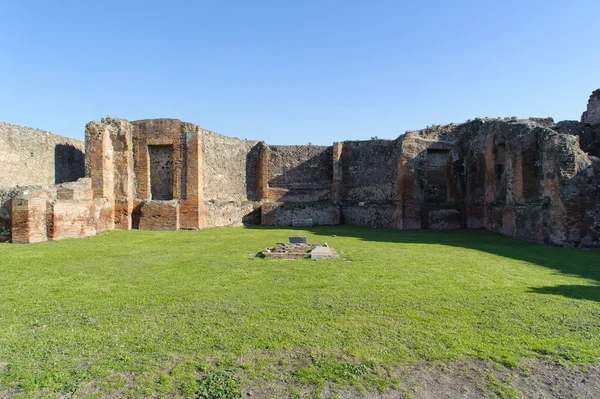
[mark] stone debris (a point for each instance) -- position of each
(300, 251)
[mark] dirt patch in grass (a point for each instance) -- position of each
(465, 379)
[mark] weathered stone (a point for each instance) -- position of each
(307, 222)
(592, 115)
(29, 217)
(289, 251)
(529, 179)
(324, 253)
(297, 214)
(298, 240)
(36, 157)
(160, 215)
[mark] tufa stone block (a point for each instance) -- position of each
(298, 240)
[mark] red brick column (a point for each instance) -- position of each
(99, 154)
(142, 162)
(192, 212)
(263, 172)
(29, 218)
(338, 178)
(121, 136)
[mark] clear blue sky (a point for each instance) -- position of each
(293, 72)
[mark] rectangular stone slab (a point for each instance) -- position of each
(302, 223)
(298, 240)
(324, 253)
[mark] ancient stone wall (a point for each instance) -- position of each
(36, 157)
(529, 179)
(286, 213)
(60, 211)
(300, 173)
(366, 183)
(230, 180)
(589, 135)
(592, 114)
(6, 197)
(524, 179)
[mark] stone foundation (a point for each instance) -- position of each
(284, 214)
(160, 215)
(58, 212)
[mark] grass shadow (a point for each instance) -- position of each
(580, 263)
(587, 292)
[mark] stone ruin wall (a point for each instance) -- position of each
(297, 184)
(367, 187)
(528, 179)
(592, 115)
(34, 158)
(230, 180)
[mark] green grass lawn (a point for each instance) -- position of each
(138, 313)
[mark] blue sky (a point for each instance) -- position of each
(293, 72)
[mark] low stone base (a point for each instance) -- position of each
(300, 251)
(324, 253)
(159, 215)
(444, 219)
(284, 214)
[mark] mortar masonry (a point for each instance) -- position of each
(529, 179)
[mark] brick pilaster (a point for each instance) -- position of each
(338, 178)
(263, 172)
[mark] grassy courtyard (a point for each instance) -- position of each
(195, 313)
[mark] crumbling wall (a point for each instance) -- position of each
(431, 179)
(368, 182)
(529, 179)
(592, 115)
(525, 179)
(6, 197)
(284, 214)
(589, 135)
(299, 173)
(230, 179)
(369, 170)
(57, 212)
(36, 157)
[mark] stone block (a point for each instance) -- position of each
(298, 240)
(80, 190)
(444, 219)
(475, 216)
(308, 222)
(70, 219)
(324, 253)
(284, 214)
(104, 215)
(160, 215)
(378, 215)
(29, 217)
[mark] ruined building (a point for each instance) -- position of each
(530, 179)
